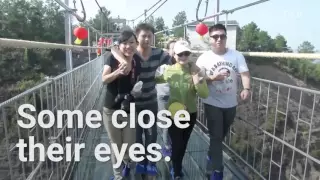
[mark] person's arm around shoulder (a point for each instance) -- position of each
(120, 58)
(118, 55)
(165, 58)
(198, 78)
(161, 74)
(245, 76)
(107, 75)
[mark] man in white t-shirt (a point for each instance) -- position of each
(222, 68)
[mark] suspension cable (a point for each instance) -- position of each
(146, 11)
(155, 10)
(197, 10)
(217, 14)
(66, 7)
(71, 11)
(101, 10)
(207, 3)
(83, 11)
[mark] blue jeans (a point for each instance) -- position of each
(162, 102)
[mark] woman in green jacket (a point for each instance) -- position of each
(186, 82)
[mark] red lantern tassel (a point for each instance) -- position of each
(78, 41)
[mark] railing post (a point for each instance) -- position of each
(67, 28)
(89, 50)
(218, 10)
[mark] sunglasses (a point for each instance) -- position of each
(217, 36)
(186, 53)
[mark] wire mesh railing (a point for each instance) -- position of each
(276, 133)
(71, 91)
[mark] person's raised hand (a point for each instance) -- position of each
(121, 69)
(219, 76)
(127, 67)
(194, 69)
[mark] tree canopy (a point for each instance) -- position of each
(43, 20)
(34, 20)
(252, 38)
(39, 20)
(179, 19)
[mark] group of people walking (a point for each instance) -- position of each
(170, 78)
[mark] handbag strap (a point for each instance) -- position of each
(133, 78)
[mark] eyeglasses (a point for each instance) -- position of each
(217, 36)
(186, 53)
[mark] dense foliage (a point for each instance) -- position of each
(39, 20)
(251, 38)
(34, 20)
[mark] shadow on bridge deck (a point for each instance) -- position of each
(193, 164)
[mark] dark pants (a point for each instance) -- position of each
(162, 102)
(179, 138)
(150, 134)
(219, 121)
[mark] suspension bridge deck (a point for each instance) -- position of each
(193, 164)
(275, 134)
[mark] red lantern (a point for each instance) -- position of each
(201, 29)
(81, 34)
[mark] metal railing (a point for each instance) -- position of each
(276, 133)
(74, 90)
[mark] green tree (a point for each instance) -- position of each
(265, 42)
(159, 24)
(35, 20)
(238, 38)
(249, 40)
(179, 19)
(161, 37)
(151, 20)
(107, 24)
(280, 43)
(306, 47)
